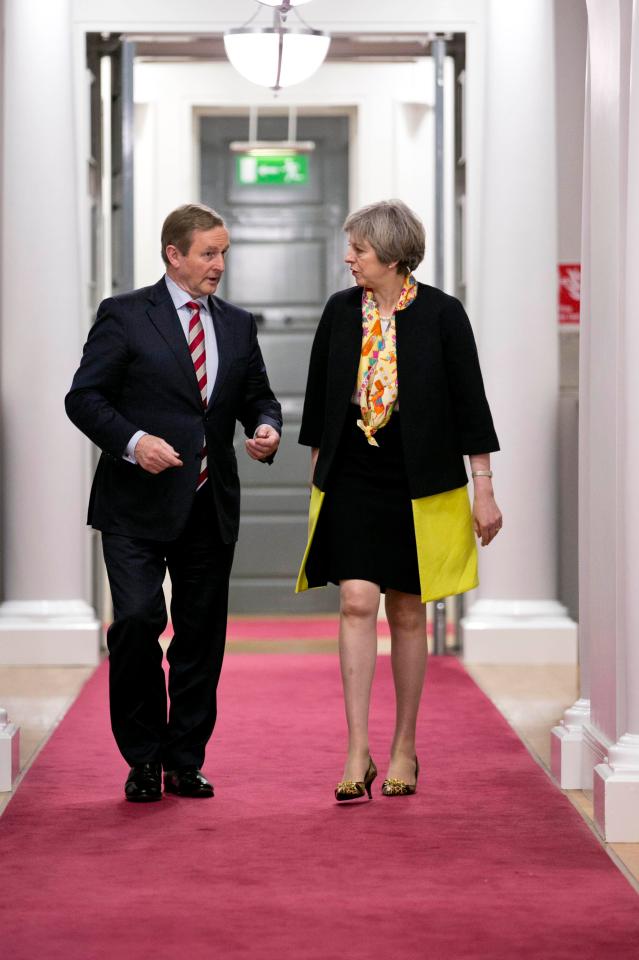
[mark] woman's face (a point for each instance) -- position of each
(364, 263)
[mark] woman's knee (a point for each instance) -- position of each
(359, 599)
(405, 612)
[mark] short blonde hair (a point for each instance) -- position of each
(393, 231)
(177, 229)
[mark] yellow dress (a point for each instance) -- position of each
(446, 546)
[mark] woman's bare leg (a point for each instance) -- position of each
(409, 650)
(359, 603)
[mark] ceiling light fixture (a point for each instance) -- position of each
(283, 3)
(277, 56)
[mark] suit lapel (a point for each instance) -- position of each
(164, 318)
(224, 338)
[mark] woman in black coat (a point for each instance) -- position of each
(394, 400)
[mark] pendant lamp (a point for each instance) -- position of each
(279, 55)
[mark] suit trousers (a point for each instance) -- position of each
(199, 565)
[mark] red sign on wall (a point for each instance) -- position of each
(569, 292)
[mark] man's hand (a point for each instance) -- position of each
(155, 455)
(264, 443)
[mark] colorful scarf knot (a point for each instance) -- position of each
(377, 373)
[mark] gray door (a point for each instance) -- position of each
(286, 259)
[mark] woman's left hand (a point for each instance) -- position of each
(487, 518)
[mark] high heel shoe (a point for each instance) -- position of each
(354, 789)
(392, 787)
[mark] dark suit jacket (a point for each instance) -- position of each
(443, 408)
(136, 373)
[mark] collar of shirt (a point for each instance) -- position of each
(181, 297)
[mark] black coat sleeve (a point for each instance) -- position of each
(314, 413)
(91, 401)
(259, 404)
(470, 407)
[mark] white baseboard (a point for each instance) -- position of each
(48, 633)
(9, 752)
(616, 792)
(513, 631)
(567, 749)
(566, 757)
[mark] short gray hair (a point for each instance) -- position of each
(393, 231)
(179, 226)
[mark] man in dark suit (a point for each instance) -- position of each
(166, 372)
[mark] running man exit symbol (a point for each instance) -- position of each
(252, 171)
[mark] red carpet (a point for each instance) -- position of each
(292, 628)
(488, 860)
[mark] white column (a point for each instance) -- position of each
(45, 616)
(517, 617)
(614, 39)
(570, 747)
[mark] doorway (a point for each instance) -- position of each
(287, 242)
(286, 259)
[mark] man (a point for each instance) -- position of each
(166, 372)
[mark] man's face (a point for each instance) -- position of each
(199, 271)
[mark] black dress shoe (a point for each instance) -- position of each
(187, 782)
(144, 783)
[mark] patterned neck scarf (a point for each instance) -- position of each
(377, 373)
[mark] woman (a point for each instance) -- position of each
(394, 400)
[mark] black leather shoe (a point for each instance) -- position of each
(144, 783)
(187, 782)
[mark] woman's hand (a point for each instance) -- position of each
(314, 456)
(487, 519)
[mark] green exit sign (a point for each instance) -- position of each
(253, 171)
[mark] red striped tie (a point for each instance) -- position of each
(198, 356)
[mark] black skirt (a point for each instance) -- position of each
(365, 529)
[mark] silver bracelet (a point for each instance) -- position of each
(482, 473)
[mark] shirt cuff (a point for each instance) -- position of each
(269, 423)
(129, 453)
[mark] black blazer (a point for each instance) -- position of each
(136, 373)
(443, 408)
